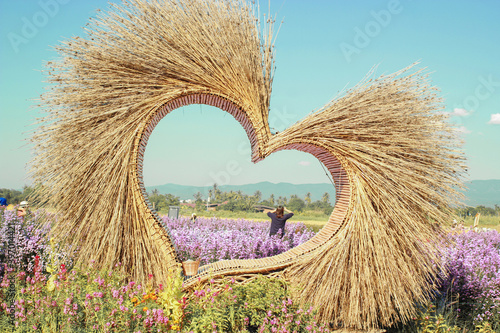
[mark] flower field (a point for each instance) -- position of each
(40, 291)
(474, 275)
(213, 239)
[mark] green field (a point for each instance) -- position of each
(485, 221)
(317, 219)
(314, 219)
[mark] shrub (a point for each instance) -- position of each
(473, 263)
(28, 240)
(262, 305)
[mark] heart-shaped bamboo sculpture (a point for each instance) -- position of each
(395, 161)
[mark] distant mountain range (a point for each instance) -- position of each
(479, 192)
(483, 192)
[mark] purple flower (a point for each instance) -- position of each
(212, 239)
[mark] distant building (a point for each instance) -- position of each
(262, 208)
(210, 206)
(213, 206)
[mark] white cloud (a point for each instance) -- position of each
(463, 130)
(495, 119)
(304, 163)
(460, 112)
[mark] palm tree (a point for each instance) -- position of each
(307, 198)
(326, 198)
(271, 199)
(258, 195)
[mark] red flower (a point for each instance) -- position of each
(37, 263)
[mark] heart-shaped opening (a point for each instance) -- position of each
(261, 146)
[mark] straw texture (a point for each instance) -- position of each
(394, 159)
(104, 89)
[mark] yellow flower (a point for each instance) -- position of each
(144, 309)
(50, 283)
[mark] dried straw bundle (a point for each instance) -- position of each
(106, 86)
(404, 165)
(395, 160)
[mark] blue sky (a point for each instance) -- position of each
(322, 47)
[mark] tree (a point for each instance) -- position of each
(15, 197)
(271, 199)
(296, 204)
(258, 195)
(217, 193)
(307, 198)
(326, 198)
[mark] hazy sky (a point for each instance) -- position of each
(322, 47)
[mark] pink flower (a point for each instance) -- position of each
(99, 281)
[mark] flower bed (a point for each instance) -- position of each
(473, 262)
(52, 297)
(213, 239)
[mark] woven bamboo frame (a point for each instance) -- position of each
(395, 161)
(264, 265)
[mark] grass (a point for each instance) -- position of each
(313, 219)
(317, 219)
(485, 221)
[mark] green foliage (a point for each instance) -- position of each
(432, 322)
(465, 212)
(162, 202)
(484, 327)
(14, 196)
(262, 304)
(296, 204)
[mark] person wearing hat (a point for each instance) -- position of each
(23, 209)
